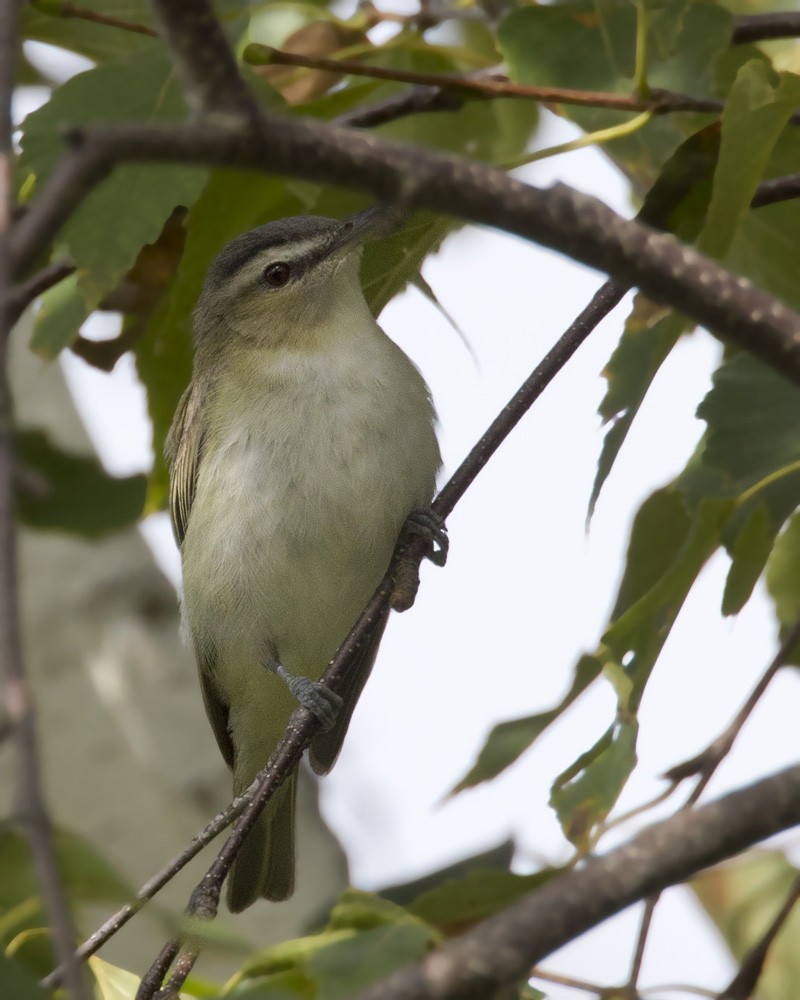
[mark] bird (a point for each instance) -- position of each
(304, 443)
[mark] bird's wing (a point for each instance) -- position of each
(184, 451)
(326, 746)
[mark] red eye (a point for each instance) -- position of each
(277, 274)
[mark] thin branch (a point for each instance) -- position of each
(203, 61)
(414, 101)
(706, 763)
(21, 296)
(17, 694)
(86, 14)
(573, 984)
(502, 949)
(561, 218)
(491, 86)
(775, 190)
(746, 979)
(630, 990)
(762, 27)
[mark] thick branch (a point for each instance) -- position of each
(561, 218)
(203, 60)
(501, 950)
(761, 27)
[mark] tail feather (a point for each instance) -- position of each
(265, 864)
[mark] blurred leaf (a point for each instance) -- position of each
(509, 740)
(127, 210)
(17, 983)
(742, 898)
(87, 877)
(749, 553)
(783, 574)
(101, 43)
(586, 792)
(288, 985)
(114, 983)
(455, 906)
(63, 309)
(70, 492)
(353, 963)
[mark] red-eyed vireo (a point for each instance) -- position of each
(304, 441)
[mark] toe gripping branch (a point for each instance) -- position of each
(429, 526)
(323, 703)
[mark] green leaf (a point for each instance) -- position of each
(63, 309)
(17, 982)
(101, 43)
(756, 111)
(749, 553)
(69, 492)
(783, 574)
(455, 906)
(114, 983)
(353, 963)
(642, 618)
(585, 793)
(753, 418)
(589, 46)
(87, 876)
(677, 201)
(509, 740)
(127, 210)
(742, 898)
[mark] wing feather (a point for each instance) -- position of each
(184, 451)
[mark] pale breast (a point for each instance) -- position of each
(300, 500)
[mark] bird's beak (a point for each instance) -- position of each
(372, 223)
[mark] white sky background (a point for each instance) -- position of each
(496, 633)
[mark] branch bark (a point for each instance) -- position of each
(500, 951)
(203, 60)
(560, 217)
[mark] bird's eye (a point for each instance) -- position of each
(277, 275)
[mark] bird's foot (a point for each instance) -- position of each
(323, 703)
(431, 527)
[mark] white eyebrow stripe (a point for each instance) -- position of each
(289, 254)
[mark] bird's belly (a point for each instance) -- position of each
(280, 558)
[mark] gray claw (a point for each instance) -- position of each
(430, 526)
(323, 703)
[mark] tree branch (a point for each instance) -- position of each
(490, 86)
(501, 950)
(71, 10)
(203, 60)
(762, 27)
(561, 218)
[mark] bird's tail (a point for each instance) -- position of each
(265, 863)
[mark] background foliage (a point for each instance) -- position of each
(141, 244)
